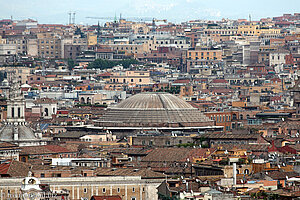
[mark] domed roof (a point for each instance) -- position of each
(154, 101)
(24, 133)
(19, 133)
(154, 110)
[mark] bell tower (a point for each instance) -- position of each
(16, 103)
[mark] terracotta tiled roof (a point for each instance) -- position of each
(4, 168)
(219, 81)
(176, 154)
(182, 81)
(144, 173)
(278, 175)
(47, 149)
(6, 145)
(113, 197)
(14, 169)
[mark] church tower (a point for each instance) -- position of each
(15, 103)
(15, 128)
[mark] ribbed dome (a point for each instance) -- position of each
(154, 110)
(154, 101)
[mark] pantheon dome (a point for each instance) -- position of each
(153, 110)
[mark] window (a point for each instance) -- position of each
(118, 190)
(42, 175)
(19, 112)
(84, 190)
(46, 112)
(12, 112)
(103, 190)
(133, 189)
(234, 116)
(133, 198)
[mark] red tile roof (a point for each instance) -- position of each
(112, 197)
(182, 81)
(219, 81)
(4, 168)
(47, 149)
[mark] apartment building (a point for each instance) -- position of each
(49, 45)
(201, 53)
(131, 77)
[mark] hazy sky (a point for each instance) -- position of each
(56, 11)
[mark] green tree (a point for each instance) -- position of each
(105, 64)
(71, 64)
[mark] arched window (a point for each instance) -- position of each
(237, 171)
(46, 112)
(241, 117)
(88, 100)
(234, 117)
(246, 171)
